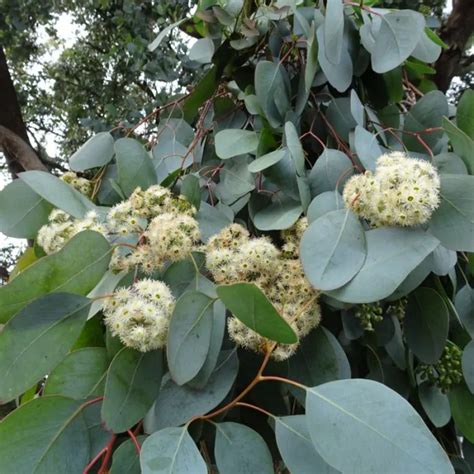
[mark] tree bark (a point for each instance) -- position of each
(455, 33)
(18, 152)
(14, 141)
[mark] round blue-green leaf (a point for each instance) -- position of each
(272, 87)
(363, 426)
(428, 112)
(449, 163)
(392, 254)
(333, 249)
(211, 220)
(396, 39)
(177, 404)
(235, 180)
(133, 383)
(339, 115)
(324, 203)
(35, 340)
(97, 151)
(217, 336)
(45, 436)
(426, 50)
(98, 435)
(77, 268)
(334, 30)
(413, 280)
(395, 347)
(464, 302)
(461, 142)
(182, 274)
(367, 148)
(338, 75)
(468, 365)
(295, 148)
(357, 108)
(171, 451)
(202, 51)
(57, 192)
(22, 211)
(296, 448)
(319, 359)
(426, 324)
(281, 214)
(331, 171)
(461, 401)
(241, 450)
(464, 116)
(435, 403)
(189, 336)
(126, 459)
(265, 161)
(134, 165)
(234, 142)
(80, 374)
(453, 222)
(442, 260)
(248, 304)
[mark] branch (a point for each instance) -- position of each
(145, 88)
(455, 33)
(14, 139)
(19, 151)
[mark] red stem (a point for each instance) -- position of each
(135, 441)
(108, 455)
(91, 464)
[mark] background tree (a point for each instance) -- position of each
(61, 93)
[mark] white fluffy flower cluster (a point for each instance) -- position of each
(61, 227)
(139, 315)
(232, 256)
(164, 223)
(402, 192)
(160, 222)
(83, 185)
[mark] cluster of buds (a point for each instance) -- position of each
(402, 192)
(369, 314)
(83, 185)
(446, 372)
(139, 315)
(398, 308)
(232, 256)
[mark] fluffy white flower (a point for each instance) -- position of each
(140, 315)
(278, 276)
(172, 237)
(83, 185)
(292, 238)
(402, 192)
(62, 227)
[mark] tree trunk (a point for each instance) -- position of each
(14, 141)
(455, 33)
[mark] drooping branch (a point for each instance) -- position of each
(14, 141)
(455, 33)
(18, 152)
